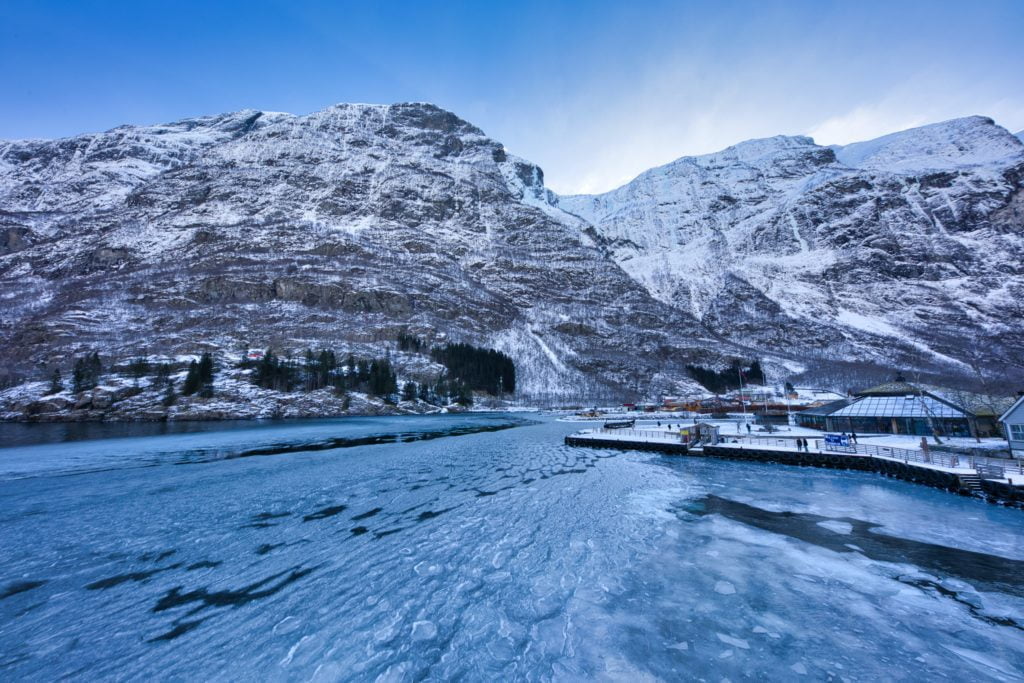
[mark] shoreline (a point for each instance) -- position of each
(234, 399)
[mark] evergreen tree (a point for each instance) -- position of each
(319, 369)
(138, 368)
(441, 393)
(86, 373)
(205, 372)
(56, 384)
(170, 397)
(95, 368)
(409, 342)
(162, 376)
(78, 376)
(309, 371)
(754, 374)
(479, 369)
(409, 391)
(728, 379)
(328, 363)
(206, 369)
(340, 382)
(192, 380)
(276, 373)
(381, 378)
(263, 377)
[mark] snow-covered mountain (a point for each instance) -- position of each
(347, 226)
(968, 142)
(903, 250)
(340, 228)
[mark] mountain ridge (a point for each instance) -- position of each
(344, 227)
(349, 225)
(785, 237)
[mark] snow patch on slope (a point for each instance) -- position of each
(970, 141)
(869, 324)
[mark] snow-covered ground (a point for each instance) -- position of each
(914, 442)
(497, 555)
(737, 427)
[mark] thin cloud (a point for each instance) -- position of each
(863, 123)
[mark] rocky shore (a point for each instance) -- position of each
(122, 400)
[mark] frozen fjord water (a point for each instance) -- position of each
(499, 554)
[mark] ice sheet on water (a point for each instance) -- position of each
(837, 526)
(497, 555)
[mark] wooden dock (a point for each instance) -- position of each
(957, 482)
(666, 447)
(942, 472)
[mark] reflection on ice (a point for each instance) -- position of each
(983, 570)
(493, 555)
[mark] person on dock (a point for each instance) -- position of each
(748, 428)
(853, 438)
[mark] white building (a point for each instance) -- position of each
(1013, 427)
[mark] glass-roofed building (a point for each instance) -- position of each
(891, 408)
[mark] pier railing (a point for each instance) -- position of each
(950, 460)
(648, 434)
(993, 468)
(987, 468)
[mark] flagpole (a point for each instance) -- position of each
(743, 406)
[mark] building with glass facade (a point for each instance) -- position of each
(891, 408)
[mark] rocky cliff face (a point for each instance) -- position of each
(906, 250)
(340, 228)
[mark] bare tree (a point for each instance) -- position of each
(917, 360)
(966, 400)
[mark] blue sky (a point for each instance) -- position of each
(595, 92)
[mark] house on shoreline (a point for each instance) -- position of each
(1013, 427)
